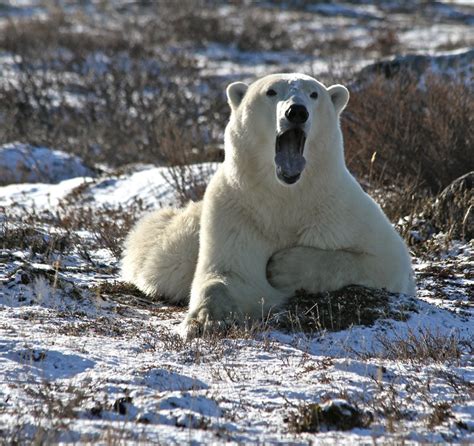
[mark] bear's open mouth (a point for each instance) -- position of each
(289, 159)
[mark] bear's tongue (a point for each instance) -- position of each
(289, 157)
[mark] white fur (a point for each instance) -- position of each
(161, 253)
(321, 233)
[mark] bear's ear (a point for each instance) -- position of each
(339, 97)
(235, 93)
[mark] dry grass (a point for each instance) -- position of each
(119, 122)
(425, 346)
(29, 233)
(420, 346)
(250, 28)
(54, 407)
(51, 235)
(189, 182)
(441, 413)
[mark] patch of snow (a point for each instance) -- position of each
(166, 380)
(447, 11)
(429, 39)
(22, 163)
(38, 196)
(345, 10)
(20, 8)
(149, 185)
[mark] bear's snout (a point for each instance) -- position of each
(297, 114)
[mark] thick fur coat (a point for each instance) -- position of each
(273, 219)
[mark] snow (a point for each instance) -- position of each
(149, 185)
(21, 163)
(330, 9)
(240, 392)
(40, 195)
(430, 38)
(123, 370)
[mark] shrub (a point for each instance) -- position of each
(397, 130)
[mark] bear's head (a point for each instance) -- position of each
(286, 122)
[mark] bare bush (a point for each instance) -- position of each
(187, 24)
(29, 232)
(123, 117)
(35, 37)
(384, 41)
(251, 29)
(263, 33)
(103, 97)
(422, 134)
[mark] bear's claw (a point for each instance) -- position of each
(201, 323)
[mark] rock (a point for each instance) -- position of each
(122, 405)
(453, 210)
(333, 415)
(459, 66)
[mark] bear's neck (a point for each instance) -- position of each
(248, 171)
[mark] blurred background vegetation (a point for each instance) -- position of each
(119, 83)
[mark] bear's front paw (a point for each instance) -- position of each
(287, 270)
(212, 310)
(204, 322)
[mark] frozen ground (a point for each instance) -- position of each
(84, 358)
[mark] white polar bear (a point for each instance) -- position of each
(281, 213)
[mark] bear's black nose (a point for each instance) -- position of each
(297, 114)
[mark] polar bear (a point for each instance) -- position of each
(281, 213)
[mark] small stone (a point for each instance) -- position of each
(121, 405)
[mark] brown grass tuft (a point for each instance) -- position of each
(424, 346)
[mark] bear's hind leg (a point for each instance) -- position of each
(160, 253)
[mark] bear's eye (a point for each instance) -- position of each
(314, 95)
(271, 92)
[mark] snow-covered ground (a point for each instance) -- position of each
(85, 358)
(20, 163)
